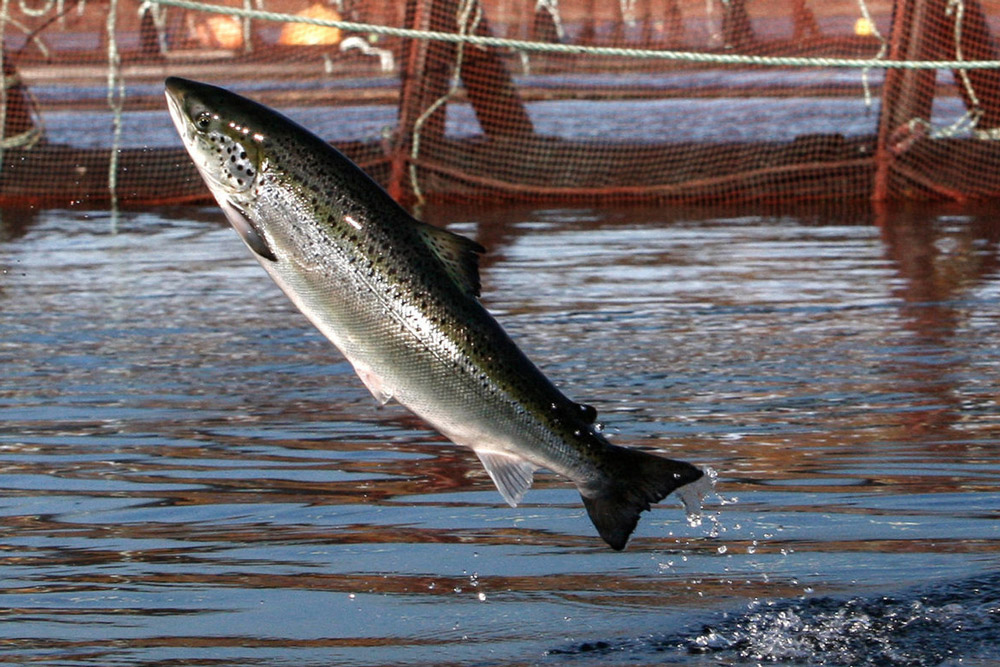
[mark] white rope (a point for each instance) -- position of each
(467, 22)
(550, 47)
(31, 11)
(24, 140)
(957, 7)
(552, 7)
(159, 15)
(883, 48)
(116, 102)
(34, 134)
(4, 17)
(626, 9)
(246, 28)
(970, 119)
(35, 38)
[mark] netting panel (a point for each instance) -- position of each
(434, 119)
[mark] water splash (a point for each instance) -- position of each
(693, 497)
(949, 623)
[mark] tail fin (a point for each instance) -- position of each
(634, 480)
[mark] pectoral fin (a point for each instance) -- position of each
(246, 229)
(511, 474)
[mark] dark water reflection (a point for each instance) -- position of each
(192, 475)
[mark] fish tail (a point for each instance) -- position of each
(633, 481)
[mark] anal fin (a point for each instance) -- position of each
(512, 475)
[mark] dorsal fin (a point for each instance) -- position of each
(511, 474)
(458, 254)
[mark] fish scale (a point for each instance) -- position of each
(399, 298)
(416, 296)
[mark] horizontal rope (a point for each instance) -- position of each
(578, 49)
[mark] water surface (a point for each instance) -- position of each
(191, 474)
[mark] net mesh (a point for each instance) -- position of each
(711, 101)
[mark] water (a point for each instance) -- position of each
(191, 475)
(654, 120)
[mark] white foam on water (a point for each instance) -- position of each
(954, 623)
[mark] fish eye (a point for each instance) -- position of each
(204, 120)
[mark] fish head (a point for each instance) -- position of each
(223, 142)
(227, 138)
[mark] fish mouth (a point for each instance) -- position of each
(175, 93)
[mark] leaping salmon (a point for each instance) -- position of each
(400, 299)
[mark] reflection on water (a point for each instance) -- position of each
(190, 473)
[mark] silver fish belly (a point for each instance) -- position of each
(399, 298)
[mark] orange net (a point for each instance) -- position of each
(84, 119)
